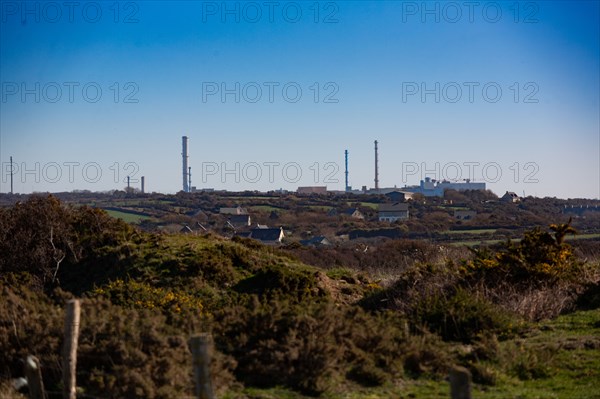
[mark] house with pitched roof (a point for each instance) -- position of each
(233, 211)
(510, 197)
(392, 212)
(272, 236)
(240, 220)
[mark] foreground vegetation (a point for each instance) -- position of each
(522, 316)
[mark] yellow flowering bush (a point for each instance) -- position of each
(144, 296)
(540, 256)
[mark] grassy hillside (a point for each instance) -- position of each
(523, 317)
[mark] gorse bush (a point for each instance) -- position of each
(283, 281)
(437, 298)
(462, 316)
(308, 345)
(537, 277)
(145, 296)
(122, 353)
(540, 257)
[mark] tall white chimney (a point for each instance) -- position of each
(184, 155)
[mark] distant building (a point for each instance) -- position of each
(233, 211)
(510, 197)
(271, 236)
(581, 209)
(392, 212)
(399, 196)
(240, 220)
(372, 191)
(433, 188)
(464, 214)
(312, 190)
(354, 213)
(186, 230)
(198, 214)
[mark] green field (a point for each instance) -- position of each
(471, 243)
(266, 208)
(320, 207)
(365, 204)
(128, 217)
(254, 197)
(473, 231)
(582, 237)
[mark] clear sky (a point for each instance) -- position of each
(272, 93)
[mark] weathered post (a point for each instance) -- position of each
(460, 383)
(201, 347)
(70, 349)
(33, 374)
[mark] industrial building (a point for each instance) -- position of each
(427, 187)
(433, 188)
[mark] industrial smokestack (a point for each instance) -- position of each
(143, 184)
(376, 168)
(190, 179)
(184, 156)
(347, 186)
(11, 175)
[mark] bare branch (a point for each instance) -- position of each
(56, 251)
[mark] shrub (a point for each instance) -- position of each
(367, 374)
(527, 363)
(306, 346)
(144, 296)
(51, 242)
(412, 286)
(291, 282)
(425, 354)
(483, 373)
(277, 343)
(462, 316)
(540, 257)
(121, 352)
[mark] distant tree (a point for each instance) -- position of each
(456, 197)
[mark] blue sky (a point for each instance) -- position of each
(504, 92)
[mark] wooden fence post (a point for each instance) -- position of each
(460, 383)
(201, 347)
(70, 349)
(33, 374)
